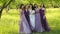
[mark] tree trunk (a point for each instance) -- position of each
(4, 6)
(2, 9)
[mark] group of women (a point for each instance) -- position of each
(33, 19)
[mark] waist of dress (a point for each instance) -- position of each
(37, 12)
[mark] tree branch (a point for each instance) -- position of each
(4, 6)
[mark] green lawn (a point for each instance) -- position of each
(9, 23)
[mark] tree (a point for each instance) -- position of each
(4, 6)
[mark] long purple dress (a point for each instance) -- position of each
(26, 12)
(24, 25)
(38, 25)
(43, 20)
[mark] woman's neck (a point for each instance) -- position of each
(26, 10)
(36, 8)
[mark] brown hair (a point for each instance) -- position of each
(35, 5)
(32, 6)
(43, 5)
(21, 6)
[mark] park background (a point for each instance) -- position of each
(10, 15)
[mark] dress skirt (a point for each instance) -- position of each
(24, 26)
(38, 24)
(43, 20)
(32, 19)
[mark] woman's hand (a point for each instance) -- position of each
(33, 12)
(44, 17)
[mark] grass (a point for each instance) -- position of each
(9, 23)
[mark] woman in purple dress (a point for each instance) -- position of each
(43, 18)
(27, 15)
(24, 24)
(38, 25)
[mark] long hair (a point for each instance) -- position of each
(21, 6)
(32, 6)
(26, 7)
(35, 6)
(42, 5)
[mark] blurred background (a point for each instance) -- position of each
(10, 15)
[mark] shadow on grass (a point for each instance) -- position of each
(55, 31)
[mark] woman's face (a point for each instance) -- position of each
(30, 6)
(22, 6)
(42, 5)
(27, 6)
(36, 6)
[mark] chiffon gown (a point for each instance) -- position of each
(32, 18)
(24, 25)
(26, 12)
(38, 24)
(43, 20)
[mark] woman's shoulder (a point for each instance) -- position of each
(33, 10)
(20, 9)
(43, 8)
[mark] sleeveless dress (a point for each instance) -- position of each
(43, 20)
(26, 12)
(24, 26)
(32, 18)
(38, 25)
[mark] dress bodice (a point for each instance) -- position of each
(31, 12)
(37, 11)
(22, 12)
(42, 11)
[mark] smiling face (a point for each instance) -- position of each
(42, 6)
(26, 7)
(22, 6)
(30, 7)
(35, 6)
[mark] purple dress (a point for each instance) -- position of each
(24, 25)
(28, 18)
(38, 25)
(43, 20)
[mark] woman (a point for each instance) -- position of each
(24, 25)
(43, 18)
(27, 15)
(32, 16)
(38, 25)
